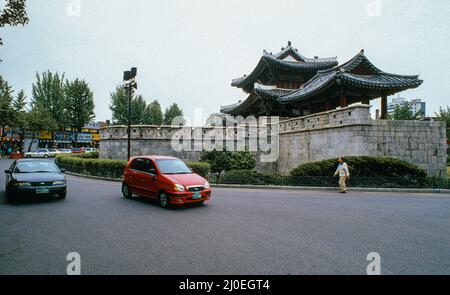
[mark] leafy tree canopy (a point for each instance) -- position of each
(49, 94)
(444, 115)
(153, 114)
(80, 104)
(6, 101)
(138, 106)
(226, 160)
(14, 13)
(404, 112)
(119, 107)
(171, 113)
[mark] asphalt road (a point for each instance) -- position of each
(238, 232)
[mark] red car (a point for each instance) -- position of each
(78, 150)
(165, 179)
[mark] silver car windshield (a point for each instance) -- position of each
(35, 167)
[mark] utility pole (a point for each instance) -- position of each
(129, 78)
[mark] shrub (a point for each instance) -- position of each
(93, 155)
(104, 167)
(70, 161)
(226, 161)
(96, 167)
(242, 160)
(218, 160)
(363, 167)
(250, 177)
(201, 168)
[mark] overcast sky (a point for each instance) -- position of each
(188, 51)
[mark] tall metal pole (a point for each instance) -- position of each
(129, 121)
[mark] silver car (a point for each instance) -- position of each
(41, 153)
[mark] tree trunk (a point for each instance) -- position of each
(76, 137)
(31, 142)
(21, 138)
(13, 141)
(1, 136)
(52, 142)
(21, 145)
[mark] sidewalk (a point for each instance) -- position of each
(294, 188)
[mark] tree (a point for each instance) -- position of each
(49, 94)
(6, 106)
(80, 105)
(138, 106)
(153, 114)
(219, 160)
(13, 14)
(171, 113)
(444, 115)
(39, 119)
(119, 106)
(404, 112)
(20, 102)
(242, 160)
(225, 160)
(20, 120)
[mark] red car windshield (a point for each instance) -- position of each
(173, 166)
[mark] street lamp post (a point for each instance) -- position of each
(129, 78)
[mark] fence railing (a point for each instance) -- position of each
(329, 181)
(279, 180)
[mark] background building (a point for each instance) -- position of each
(417, 105)
(287, 84)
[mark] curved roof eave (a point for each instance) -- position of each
(268, 60)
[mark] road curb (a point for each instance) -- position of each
(295, 188)
(94, 177)
(333, 189)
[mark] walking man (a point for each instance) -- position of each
(344, 174)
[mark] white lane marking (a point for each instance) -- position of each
(305, 193)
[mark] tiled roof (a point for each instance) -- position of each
(290, 50)
(253, 98)
(275, 61)
(376, 80)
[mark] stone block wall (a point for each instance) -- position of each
(421, 143)
(348, 131)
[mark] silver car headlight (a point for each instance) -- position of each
(61, 182)
(21, 183)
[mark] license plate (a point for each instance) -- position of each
(197, 196)
(42, 191)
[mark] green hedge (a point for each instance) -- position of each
(93, 155)
(200, 168)
(363, 167)
(249, 177)
(95, 167)
(110, 168)
(225, 160)
(254, 178)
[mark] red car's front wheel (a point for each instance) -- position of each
(126, 191)
(164, 200)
